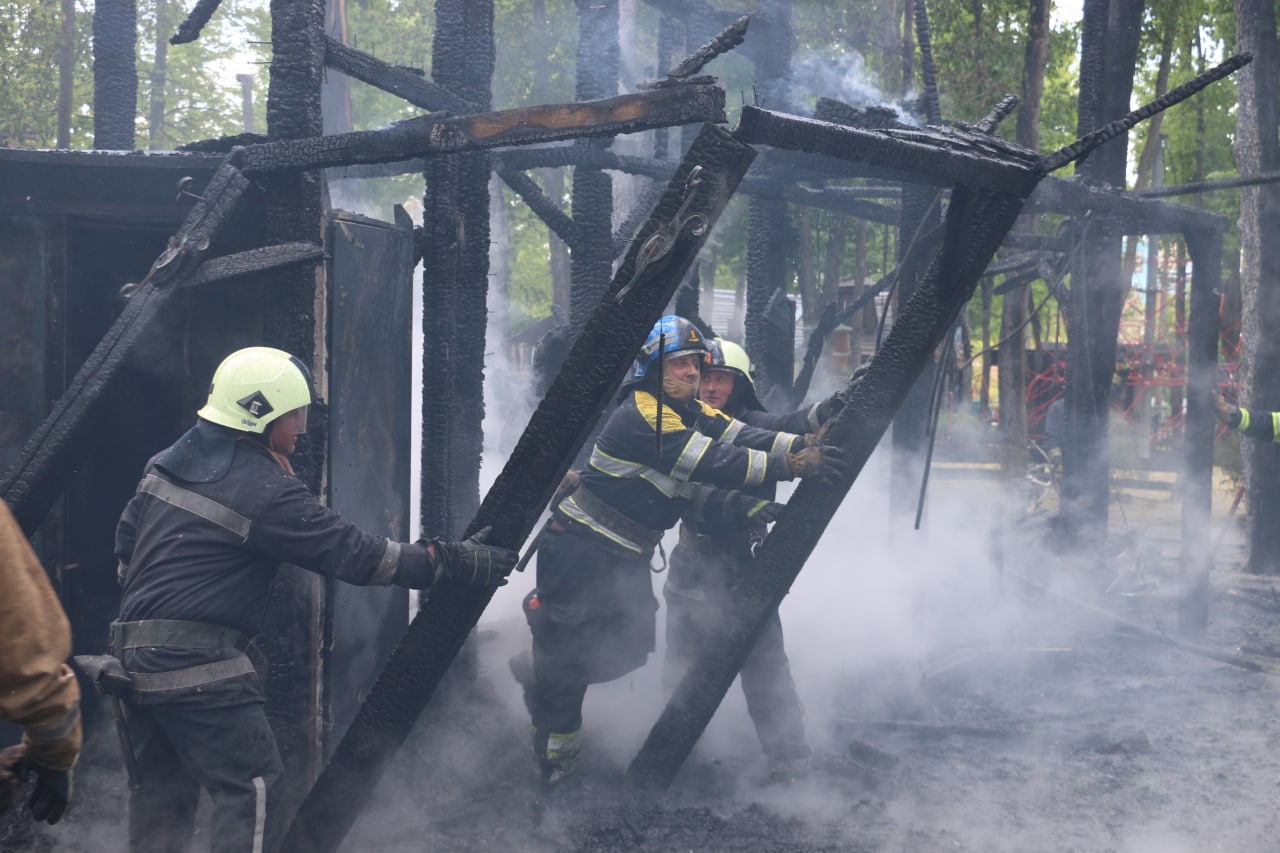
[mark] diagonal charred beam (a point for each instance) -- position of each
(396, 79)
(1210, 186)
(998, 113)
(933, 157)
(724, 41)
(38, 475)
(932, 111)
(429, 136)
(545, 208)
(189, 29)
(1121, 212)
(1082, 146)
(556, 432)
(254, 261)
(977, 221)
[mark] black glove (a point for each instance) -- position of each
(822, 462)
(51, 793)
(827, 409)
(471, 561)
(727, 508)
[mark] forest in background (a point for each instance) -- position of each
(860, 53)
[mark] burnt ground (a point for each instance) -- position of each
(949, 707)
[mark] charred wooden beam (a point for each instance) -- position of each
(838, 112)
(403, 82)
(115, 73)
(931, 156)
(977, 221)
(1082, 146)
(928, 70)
(189, 29)
(545, 208)
(1210, 186)
(38, 475)
(1120, 212)
(254, 261)
(723, 42)
(595, 367)
(429, 136)
(998, 113)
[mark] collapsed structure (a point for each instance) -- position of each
(338, 303)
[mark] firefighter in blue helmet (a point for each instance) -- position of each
(709, 559)
(199, 544)
(661, 453)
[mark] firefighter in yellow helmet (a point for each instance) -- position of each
(199, 544)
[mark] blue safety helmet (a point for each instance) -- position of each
(678, 337)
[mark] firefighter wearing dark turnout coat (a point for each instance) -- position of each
(660, 454)
(199, 544)
(708, 560)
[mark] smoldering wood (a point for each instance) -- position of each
(253, 261)
(189, 30)
(976, 222)
(595, 367)
(38, 475)
(838, 112)
(933, 156)
(430, 136)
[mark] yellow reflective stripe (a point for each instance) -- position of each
(731, 431)
(694, 449)
(647, 405)
(784, 441)
(578, 514)
(1275, 426)
(1244, 420)
(757, 467)
(613, 466)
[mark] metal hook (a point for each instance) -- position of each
(184, 184)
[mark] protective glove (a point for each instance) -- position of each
(827, 409)
(51, 794)
(1227, 413)
(822, 462)
(720, 508)
(567, 487)
(472, 561)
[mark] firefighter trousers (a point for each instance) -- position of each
(229, 751)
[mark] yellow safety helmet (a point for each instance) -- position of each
(255, 386)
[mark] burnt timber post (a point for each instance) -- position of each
(115, 74)
(291, 636)
(1205, 246)
(1108, 51)
(770, 345)
(591, 260)
(455, 280)
(595, 367)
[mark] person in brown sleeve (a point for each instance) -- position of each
(37, 689)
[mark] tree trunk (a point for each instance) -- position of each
(984, 389)
(1257, 150)
(552, 179)
(833, 260)
(66, 72)
(806, 267)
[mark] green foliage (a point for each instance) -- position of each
(29, 51)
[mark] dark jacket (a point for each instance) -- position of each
(178, 564)
(699, 445)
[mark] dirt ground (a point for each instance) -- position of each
(950, 706)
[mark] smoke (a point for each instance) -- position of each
(844, 77)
